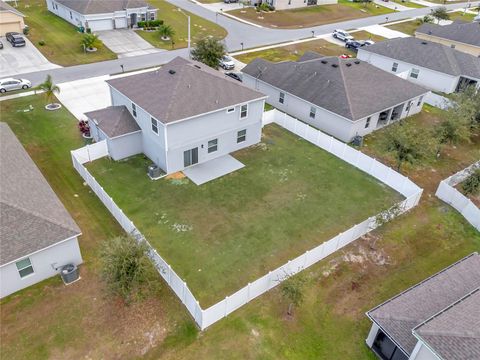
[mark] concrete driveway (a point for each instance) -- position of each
(18, 60)
(125, 43)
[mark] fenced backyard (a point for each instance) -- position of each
(446, 191)
(212, 314)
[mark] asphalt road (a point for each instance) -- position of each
(238, 32)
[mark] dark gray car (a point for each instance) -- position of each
(15, 39)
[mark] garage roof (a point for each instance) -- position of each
(114, 121)
(31, 216)
(86, 7)
(7, 8)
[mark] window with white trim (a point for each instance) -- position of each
(394, 67)
(414, 73)
(152, 16)
(212, 146)
(24, 267)
(313, 112)
(134, 110)
(281, 98)
(243, 111)
(420, 100)
(409, 104)
(241, 136)
(367, 123)
(154, 125)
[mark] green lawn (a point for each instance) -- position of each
(62, 41)
(38, 323)
(311, 15)
(200, 28)
(228, 232)
(408, 4)
(406, 27)
(460, 15)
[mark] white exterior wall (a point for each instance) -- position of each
(430, 79)
(196, 132)
(372, 335)
(125, 146)
(331, 123)
(421, 352)
(76, 19)
(67, 252)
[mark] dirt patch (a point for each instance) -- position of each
(177, 176)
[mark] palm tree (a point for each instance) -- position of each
(166, 32)
(49, 89)
(90, 41)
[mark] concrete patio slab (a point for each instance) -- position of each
(213, 169)
(126, 43)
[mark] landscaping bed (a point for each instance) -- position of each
(290, 197)
(311, 15)
(62, 41)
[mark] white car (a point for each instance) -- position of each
(342, 35)
(227, 63)
(10, 84)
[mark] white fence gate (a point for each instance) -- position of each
(447, 192)
(214, 313)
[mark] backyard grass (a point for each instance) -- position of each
(51, 321)
(62, 40)
(200, 28)
(230, 231)
(311, 15)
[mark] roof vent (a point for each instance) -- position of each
(197, 66)
(424, 43)
(348, 64)
(171, 72)
(334, 65)
(357, 62)
(324, 61)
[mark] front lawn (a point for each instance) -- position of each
(200, 28)
(311, 15)
(290, 197)
(406, 27)
(62, 40)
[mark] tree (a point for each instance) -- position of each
(427, 19)
(407, 142)
(440, 13)
(453, 130)
(209, 51)
(293, 291)
(49, 89)
(90, 41)
(466, 106)
(124, 265)
(166, 32)
(472, 184)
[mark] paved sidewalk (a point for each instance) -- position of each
(392, 5)
(19, 95)
(384, 31)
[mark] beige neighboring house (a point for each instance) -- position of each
(11, 20)
(460, 35)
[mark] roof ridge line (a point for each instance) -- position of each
(347, 95)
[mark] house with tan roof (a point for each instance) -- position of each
(181, 115)
(37, 234)
(98, 15)
(436, 319)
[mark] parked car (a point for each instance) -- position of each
(342, 35)
(369, 42)
(234, 76)
(15, 39)
(10, 84)
(356, 44)
(1, 45)
(230, 1)
(227, 62)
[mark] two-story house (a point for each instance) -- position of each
(181, 115)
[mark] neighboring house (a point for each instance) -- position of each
(437, 319)
(435, 66)
(37, 235)
(460, 35)
(180, 115)
(293, 4)
(98, 15)
(342, 97)
(11, 20)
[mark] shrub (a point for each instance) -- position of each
(472, 184)
(26, 30)
(91, 41)
(149, 24)
(264, 7)
(41, 43)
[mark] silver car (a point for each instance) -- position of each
(11, 84)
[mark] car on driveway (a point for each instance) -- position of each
(356, 44)
(234, 76)
(10, 84)
(227, 62)
(342, 35)
(1, 45)
(15, 39)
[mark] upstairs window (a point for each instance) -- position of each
(134, 110)
(244, 111)
(367, 123)
(395, 67)
(281, 98)
(420, 100)
(313, 112)
(154, 125)
(414, 73)
(24, 267)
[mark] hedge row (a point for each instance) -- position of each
(149, 23)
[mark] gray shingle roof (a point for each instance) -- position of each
(6, 7)
(31, 216)
(464, 32)
(114, 120)
(429, 55)
(86, 7)
(182, 89)
(454, 334)
(402, 313)
(342, 86)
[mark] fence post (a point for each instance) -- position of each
(248, 292)
(226, 305)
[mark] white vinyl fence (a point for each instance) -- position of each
(214, 313)
(447, 192)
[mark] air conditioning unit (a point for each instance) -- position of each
(154, 172)
(69, 273)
